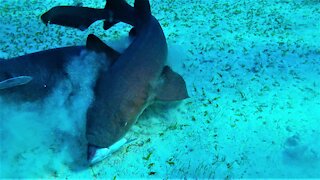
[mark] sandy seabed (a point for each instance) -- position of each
(252, 70)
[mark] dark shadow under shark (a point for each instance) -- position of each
(134, 80)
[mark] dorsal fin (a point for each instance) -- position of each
(142, 8)
(97, 45)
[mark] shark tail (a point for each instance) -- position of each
(74, 16)
(82, 17)
(142, 8)
(120, 11)
(123, 12)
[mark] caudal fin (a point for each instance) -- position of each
(120, 11)
(82, 17)
(74, 16)
(142, 8)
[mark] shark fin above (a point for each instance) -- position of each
(97, 45)
(15, 81)
(142, 8)
(74, 16)
(118, 11)
(173, 87)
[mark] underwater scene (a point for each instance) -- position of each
(161, 89)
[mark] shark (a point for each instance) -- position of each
(135, 78)
(138, 78)
(34, 76)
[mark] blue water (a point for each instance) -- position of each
(252, 70)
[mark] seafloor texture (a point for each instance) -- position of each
(253, 73)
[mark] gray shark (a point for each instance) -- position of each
(137, 78)
(41, 71)
(33, 76)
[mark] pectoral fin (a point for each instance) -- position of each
(173, 87)
(15, 81)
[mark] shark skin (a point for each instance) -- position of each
(82, 17)
(74, 16)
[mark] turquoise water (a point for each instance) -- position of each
(252, 70)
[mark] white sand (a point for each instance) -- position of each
(253, 74)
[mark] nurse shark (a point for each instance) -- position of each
(135, 78)
(33, 77)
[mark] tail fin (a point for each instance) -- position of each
(119, 10)
(142, 8)
(82, 17)
(74, 16)
(122, 11)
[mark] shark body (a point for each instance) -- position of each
(128, 86)
(135, 79)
